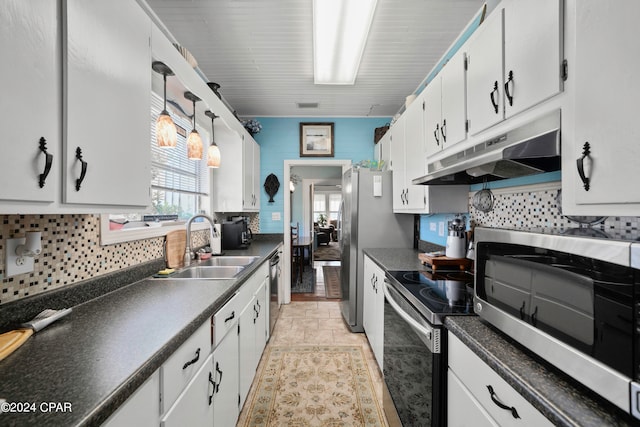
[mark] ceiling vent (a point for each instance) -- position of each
(307, 104)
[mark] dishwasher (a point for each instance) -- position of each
(275, 284)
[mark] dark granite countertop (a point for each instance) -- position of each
(561, 399)
(98, 355)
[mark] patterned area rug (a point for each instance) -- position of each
(331, 274)
(308, 283)
(330, 252)
(314, 386)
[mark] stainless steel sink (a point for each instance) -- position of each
(229, 261)
(209, 272)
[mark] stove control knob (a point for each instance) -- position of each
(478, 307)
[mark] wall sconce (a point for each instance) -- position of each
(213, 153)
(194, 142)
(20, 253)
(166, 133)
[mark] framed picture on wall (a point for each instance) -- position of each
(316, 139)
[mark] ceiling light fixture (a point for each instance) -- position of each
(340, 31)
(213, 153)
(194, 142)
(166, 132)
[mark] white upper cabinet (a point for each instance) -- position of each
(605, 104)
(484, 74)
(445, 112)
(408, 163)
(236, 183)
(31, 100)
(251, 175)
(533, 53)
(454, 105)
(107, 87)
(514, 61)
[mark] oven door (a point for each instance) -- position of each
(414, 368)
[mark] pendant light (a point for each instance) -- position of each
(166, 133)
(213, 153)
(194, 142)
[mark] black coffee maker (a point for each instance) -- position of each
(236, 233)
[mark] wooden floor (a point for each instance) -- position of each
(319, 291)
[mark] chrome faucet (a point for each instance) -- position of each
(188, 254)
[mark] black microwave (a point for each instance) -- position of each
(572, 299)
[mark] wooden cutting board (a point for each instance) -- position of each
(442, 261)
(175, 246)
(10, 341)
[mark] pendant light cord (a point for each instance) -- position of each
(165, 91)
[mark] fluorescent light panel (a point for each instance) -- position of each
(340, 31)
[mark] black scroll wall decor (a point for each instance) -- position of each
(271, 186)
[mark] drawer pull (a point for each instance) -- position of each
(233, 315)
(192, 361)
(502, 405)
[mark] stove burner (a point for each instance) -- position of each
(443, 292)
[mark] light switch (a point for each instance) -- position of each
(275, 216)
(377, 186)
(441, 228)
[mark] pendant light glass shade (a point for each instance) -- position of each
(213, 156)
(194, 142)
(166, 132)
(213, 153)
(194, 146)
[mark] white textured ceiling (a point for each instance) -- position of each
(260, 52)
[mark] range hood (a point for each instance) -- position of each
(529, 149)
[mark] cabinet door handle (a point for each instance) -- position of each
(231, 317)
(584, 169)
(436, 134)
(217, 386)
(494, 100)
(83, 171)
(502, 405)
(509, 83)
(534, 317)
(521, 310)
(406, 195)
(47, 163)
(213, 387)
(443, 131)
(192, 361)
(259, 307)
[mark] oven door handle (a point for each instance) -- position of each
(420, 328)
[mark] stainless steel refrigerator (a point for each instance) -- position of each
(366, 221)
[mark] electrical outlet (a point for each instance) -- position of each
(14, 264)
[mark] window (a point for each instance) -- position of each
(179, 186)
(327, 204)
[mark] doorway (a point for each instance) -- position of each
(306, 227)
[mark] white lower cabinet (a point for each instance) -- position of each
(253, 333)
(181, 366)
(373, 310)
(194, 407)
(142, 409)
(206, 380)
(478, 396)
(225, 378)
(473, 413)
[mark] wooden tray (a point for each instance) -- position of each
(444, 262)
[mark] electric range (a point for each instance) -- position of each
(436, 294)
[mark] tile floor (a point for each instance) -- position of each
(317, 322)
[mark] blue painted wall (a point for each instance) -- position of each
(430, 224)
(279, 140)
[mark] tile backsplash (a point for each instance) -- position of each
(540, 209)
(71, 252)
